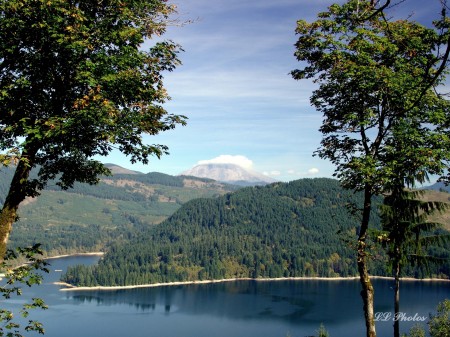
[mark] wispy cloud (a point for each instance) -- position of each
(274, 173)
(235, 87)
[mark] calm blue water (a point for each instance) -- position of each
(232, 309)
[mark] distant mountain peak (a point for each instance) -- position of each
(228, 173)
(116, 169)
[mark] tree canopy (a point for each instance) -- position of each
(376, 87)
(77, 80)
(384, 122)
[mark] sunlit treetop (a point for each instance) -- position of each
(76, 83)
(378, 89)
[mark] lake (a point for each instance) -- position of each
(230, 309)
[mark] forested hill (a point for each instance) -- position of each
(279, 230)
(87, 218)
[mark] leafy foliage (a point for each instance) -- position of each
(26, 274)
(375, 81)
(384, 119)
(76, 82)
(415, 331)
(440, 323)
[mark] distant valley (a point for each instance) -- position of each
(89, 218)
(160, 228)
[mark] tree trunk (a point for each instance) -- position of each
(18, 191)
(397, 300)
(367, 292)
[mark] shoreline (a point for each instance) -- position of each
(70, 287)
(75, 254)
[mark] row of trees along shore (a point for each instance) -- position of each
(276, 231)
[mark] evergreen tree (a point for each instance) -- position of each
(407, 234)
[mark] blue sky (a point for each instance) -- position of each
(235, 88)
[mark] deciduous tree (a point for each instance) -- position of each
(376, 79)
(77, 81)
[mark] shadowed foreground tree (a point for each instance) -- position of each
(376, 81)
(77, 81)
(407, 234)
(405, 217)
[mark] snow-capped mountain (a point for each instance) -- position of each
(228, 173)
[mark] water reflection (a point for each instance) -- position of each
(294, 303)
(238, 309)
(291, 301)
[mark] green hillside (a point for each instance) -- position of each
(280, 230)
(441, 196)
(88, 218)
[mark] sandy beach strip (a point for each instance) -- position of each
(70, 287)
(75, 254)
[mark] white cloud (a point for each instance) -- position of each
(239, 160)
(272, 173)
(313, 171)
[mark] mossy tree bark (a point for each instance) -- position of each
(18, 191)
(367, 292)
